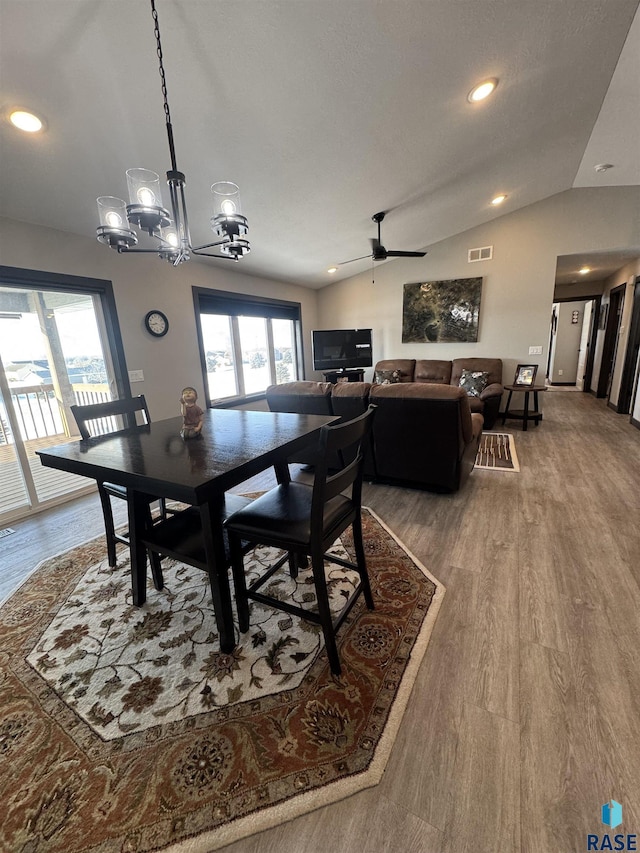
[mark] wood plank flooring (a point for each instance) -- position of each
(525, 715)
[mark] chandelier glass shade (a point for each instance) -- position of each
(169, 227)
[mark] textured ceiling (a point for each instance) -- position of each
(323, 112)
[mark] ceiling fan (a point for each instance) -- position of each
(379, 253)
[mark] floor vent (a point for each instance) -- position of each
(6, 532)
(483, 254)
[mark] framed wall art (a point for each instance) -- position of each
(438, 312)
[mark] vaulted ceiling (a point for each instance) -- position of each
(323, 111)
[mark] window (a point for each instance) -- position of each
(246, 343)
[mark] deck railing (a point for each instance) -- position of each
(38, 410)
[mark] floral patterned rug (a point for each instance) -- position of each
(131, 721)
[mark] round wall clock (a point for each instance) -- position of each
(156, 323)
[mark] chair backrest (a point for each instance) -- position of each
(98, 419)
(336, 440)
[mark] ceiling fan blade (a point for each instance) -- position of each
(406, 254)
(354, 259)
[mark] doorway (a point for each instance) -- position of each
(631, 356)
(610, 347)
(572, 344)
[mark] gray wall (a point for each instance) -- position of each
(518, 285)
(140, 283)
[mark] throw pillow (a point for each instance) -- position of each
(474, 381)
(387, 377)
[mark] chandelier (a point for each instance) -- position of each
(170, 228)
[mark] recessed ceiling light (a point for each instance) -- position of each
(26, 121)
(585, 270)
(603, 167)
(331, 270)
(498, 199)
(482, 90)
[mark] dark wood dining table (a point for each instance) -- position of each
(235, 445)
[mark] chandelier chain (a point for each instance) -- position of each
(156, 32)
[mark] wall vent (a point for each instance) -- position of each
(483, 254)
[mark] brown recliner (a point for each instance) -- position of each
(424, 435)
(349, 400)
(304, 397)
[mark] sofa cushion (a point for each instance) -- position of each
(492, 366)
(387, 377)
(474, 381)
(432, 370)
(404, 366)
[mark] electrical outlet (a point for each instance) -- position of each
(561, 373)
(535, 350)
(136, 376)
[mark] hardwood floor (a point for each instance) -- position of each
(525, 715)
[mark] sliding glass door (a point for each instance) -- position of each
(54, 352)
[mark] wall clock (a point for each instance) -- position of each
(156, 323)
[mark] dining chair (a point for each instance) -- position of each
(102, 419)
(306, 519)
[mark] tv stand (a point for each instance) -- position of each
(344, 375)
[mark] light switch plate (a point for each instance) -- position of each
(136, 376)
(535, 350)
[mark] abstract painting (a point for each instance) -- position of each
(438, 312)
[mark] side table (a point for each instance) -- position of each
(524, 414)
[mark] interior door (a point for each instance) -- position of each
(631, 357)
(583, 352)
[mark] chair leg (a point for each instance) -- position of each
(361, 562)
(109, 529)
(239, 581)
(293, 565)
(163, 508)
(154, 558)
(156, 570)
(324, 611)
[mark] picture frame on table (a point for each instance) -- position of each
(526, 375)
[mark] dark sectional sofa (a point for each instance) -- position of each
(436, 371)
(424, 434)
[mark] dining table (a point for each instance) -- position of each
(154, 460)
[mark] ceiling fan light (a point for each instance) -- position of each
(482, 90)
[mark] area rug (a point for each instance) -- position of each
(126, 729)
(497, 451)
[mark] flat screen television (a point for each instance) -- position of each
(340, 349)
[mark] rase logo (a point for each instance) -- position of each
(612, 817)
